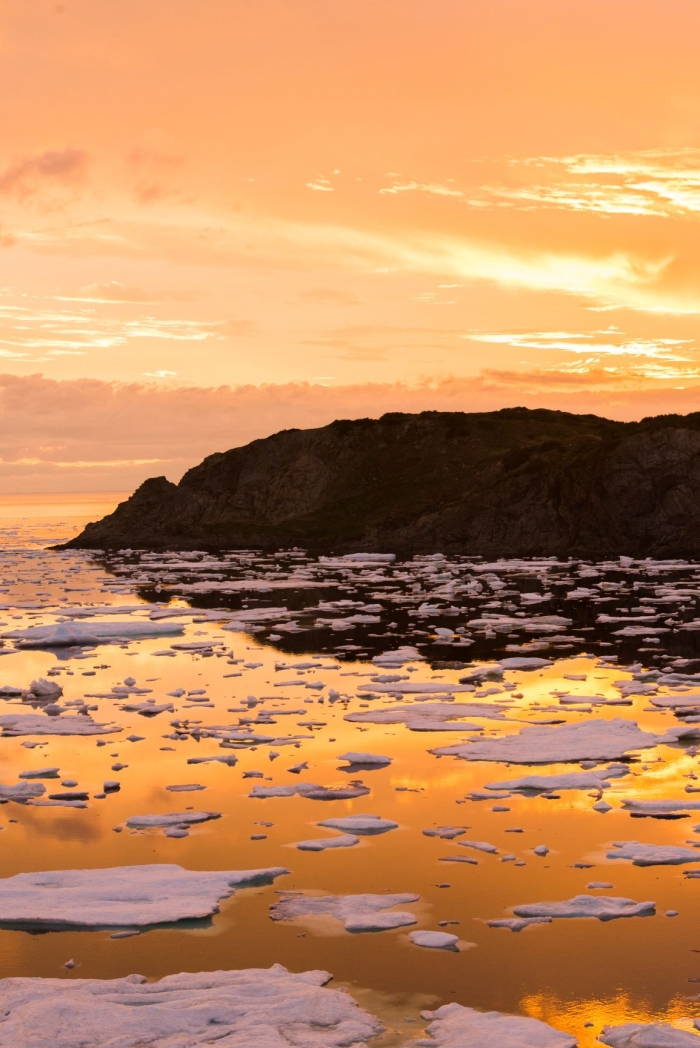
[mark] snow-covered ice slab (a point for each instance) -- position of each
(358, 913)
(358, 757)
(175, 818)
(310, 790)
(648, 1035)
(75, 634)
(267, 1007)
(12, 724)
(586, 740)
(434, 940)
(653, 854)
(344, 840)
(362, 824)
(604, 907)
(454, 1026)
(431, 716)
(23, 791)
(658, 807)
(121, 896)
(574, 780)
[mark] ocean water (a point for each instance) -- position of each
(283, 650)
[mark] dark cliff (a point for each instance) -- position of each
(503, 483)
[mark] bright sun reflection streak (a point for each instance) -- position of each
(572, 1016)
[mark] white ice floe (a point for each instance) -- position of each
(12, 724)
(652, 854)
(345, 840)
(648, 1035)
(415, 688)
(574, 780)
(434, 940)
(356, 757)
(23, 791)
(365, 825)
(604, 907)
(433, 716)
(516, 924)
(482, 846)
(676, 702)
(593, 739)
(176, 818)
(358, 913)
(529, 663)
(310, 790)
(132, 896)
(447, 833)
(658, 807)
(74, 634)
(270, 1008)
(400, 657)
(454, 1026)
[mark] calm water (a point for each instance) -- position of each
(343, 616)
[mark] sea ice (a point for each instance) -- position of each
(176, 818)
(575, 780)
(652, 854)
(311, 790)
(132, 896)
(648, 1035)
(13, 724)
(434, 940)
(345, 840)
(358, 913)
(73, 634)
(454, 1026)
(365, 758)
(363, 824)
(269, 1008)
(604, 907)
(593, 739)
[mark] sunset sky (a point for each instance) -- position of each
(219, 218)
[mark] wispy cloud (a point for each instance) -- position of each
(435, 188)
(25, 174)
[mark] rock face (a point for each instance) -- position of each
(506, 483)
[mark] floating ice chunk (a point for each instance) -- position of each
(73, 634)
(415, 688)
(593, 739)
(13, 724)
(604, 907)
(652, 854)
(23, 791)
(176, 818)
(355, 757)
(39, 773)
(648, 1035)
(454, 1026)
(482, 846)
(516, 924)
(251, 1006)
(434, 940)
(676, 702)
(658, 807)
(429, 717)
(345, 840)
(528, 663)
(45, 689)
(365, 825)
(185, 787)
(311, 790)
(575, 780)
(541, 850)
(229, 758)
(131, 896)
(402, 655)
(358, 913)
(447, 833)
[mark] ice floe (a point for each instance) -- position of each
(132, 896)
(454, 1026)
(358, 913)
(268, 1008)
(652, 854)
(604, 907)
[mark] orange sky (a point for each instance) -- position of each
(384, 199)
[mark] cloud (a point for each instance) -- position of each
(327, 294)
(89, 435)
(435, 188)
(24, 174)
